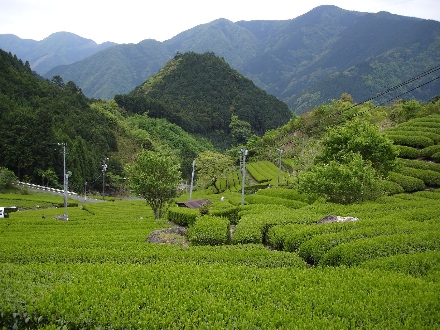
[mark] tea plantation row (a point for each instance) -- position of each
(97, 271)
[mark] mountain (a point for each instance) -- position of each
(57, 49)
(305, 61)
(200, 93)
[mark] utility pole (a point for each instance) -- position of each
(104, 169)
(192, 180)
(279, 168)
(244, 153)
(65, 178)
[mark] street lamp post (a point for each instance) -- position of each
(65, 178)
(104, 169)
(85, 190)
(279, 168)
(192, 180)
(244, 153)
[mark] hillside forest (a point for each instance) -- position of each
(38, 115)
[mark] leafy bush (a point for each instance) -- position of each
(209, 230)
(182, 216)
(421, 264)
(430, 151)
(408, 152)
(411, 141)
(286, 194)
(355, 180)
(391, 188)
(430, 178)
(359, 251)
(420, 164)
(268, 200)
(7, 179)
(408, 183)
(313, 250)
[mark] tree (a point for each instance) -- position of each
(211, 168)
(359, 137)
(344, 183)
(241, 130)
(155, 177)
(7, 178)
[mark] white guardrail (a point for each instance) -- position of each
(49, 189)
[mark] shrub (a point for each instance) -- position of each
(408, 183)
(420, 164)
(7, 178)
(182, 216)
(344, 183)
(430, 151)
(421, 264)
(356, 252)
(209, 230)
(262, 199)
(411, 141)
(285, 193)
(408, 152)
(430, 178)
(313, 250)
(391, 187)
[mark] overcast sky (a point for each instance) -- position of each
(131, 21)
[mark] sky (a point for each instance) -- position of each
(131, 21)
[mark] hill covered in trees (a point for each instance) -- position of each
(305, 61)
(201, 93)
(38, 115)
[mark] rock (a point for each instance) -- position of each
(174, 235)
(336, 218)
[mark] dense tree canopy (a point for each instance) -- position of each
(154, 177)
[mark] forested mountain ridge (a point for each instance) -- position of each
(59, 48)
(201, 93)
(38, 116)
(305, 61)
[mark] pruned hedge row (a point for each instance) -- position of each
(233, 182)
(255, 222)
(420, 164)
(411, 141)
(408, 152)
(391, 187)
(183, 216)
(313, 250)
(263, 171)
(356, 252)
(420, 264)
(420, 131)
(209, 230)
(430, 178)
(408, 183)
(286, 193)
(268, 200)
(430, 151)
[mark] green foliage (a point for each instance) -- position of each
(182, 216)
(429, 177)
(358, 251)
(408, 152)
(7, 179)
(211, 168)
(198, 92)
(154, 177)
(408, 183)
(362, 138)
(420, 264)
(209, 230)
(349, 182)
(38, 114)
